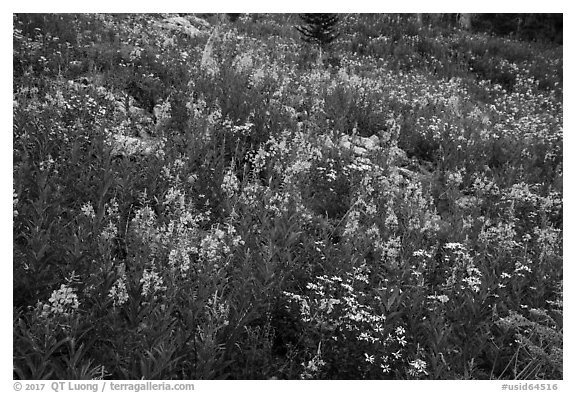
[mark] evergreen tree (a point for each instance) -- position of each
(319, 28)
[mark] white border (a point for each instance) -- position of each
(298, 6)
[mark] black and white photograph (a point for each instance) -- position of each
(287, 196)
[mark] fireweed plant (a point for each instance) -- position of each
(196, 198)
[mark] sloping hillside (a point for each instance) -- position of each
(209, 196)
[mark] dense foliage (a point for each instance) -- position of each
(195, 198)
(523, 26)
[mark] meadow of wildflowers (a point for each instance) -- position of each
(387, 208)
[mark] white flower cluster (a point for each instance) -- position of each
(441, 298)
(14, 203)
(118, 293)
(218, 244)
(63, 302)
(417, 368)
(341, 310)
(230, 184)
(88, 210)
(151, 282)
